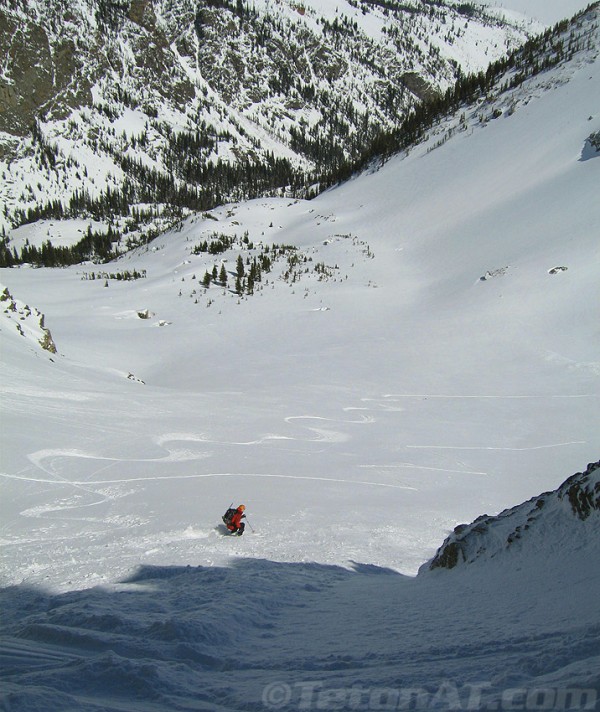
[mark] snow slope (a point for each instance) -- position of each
(548, 12)
(261, 635)
(360, 409)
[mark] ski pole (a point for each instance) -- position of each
(250, 525)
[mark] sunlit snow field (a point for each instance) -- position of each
(358, 417)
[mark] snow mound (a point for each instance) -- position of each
(547, 522)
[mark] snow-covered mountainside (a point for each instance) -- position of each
(133, 110)
(551, 519)
(423, 333)
(363, 371)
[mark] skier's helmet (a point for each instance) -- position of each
(241, 508)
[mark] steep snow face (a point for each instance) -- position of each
(550, 520)
(259, 635)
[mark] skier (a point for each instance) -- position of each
(234, 521)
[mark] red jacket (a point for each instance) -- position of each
(236, 520)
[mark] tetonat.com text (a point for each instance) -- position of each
(307, 696)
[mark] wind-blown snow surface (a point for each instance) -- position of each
(360, 411)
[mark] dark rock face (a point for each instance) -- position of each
(22, 315)
(591, 147)
(44, 74)
(53, 59)
(582, 493)
(487, 536)
(418, 86)
(448, 556)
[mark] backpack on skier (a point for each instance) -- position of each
(227, 517)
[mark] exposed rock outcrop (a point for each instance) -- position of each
(578, 498)
(28, 321)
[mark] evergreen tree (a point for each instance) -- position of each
(240, 267)
(223, 275)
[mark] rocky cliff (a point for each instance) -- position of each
(545, 521)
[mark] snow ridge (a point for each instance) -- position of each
(561, 510)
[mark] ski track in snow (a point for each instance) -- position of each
(488, 447)
(413, 466)
(47, 460)
(157, 478)
(483, 396)
(51, 461)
